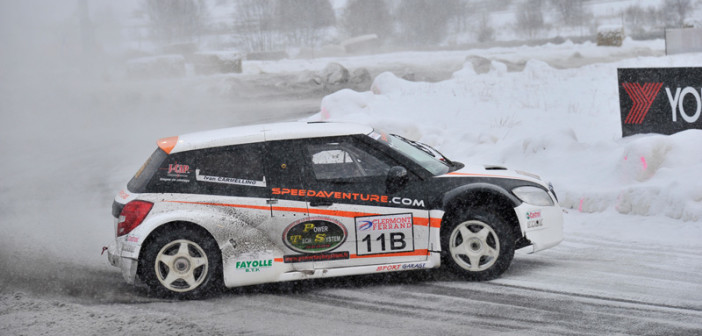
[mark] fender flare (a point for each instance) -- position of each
(460, 197)
(203, 221)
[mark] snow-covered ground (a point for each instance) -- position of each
(562, 123)
(630, 262)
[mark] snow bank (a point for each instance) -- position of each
(561, 123)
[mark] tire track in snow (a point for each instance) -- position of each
(414, 313)
(508, 308)
(633, 246)
(584, 314)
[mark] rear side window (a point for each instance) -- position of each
(232, 166)
(234, 170)
(142, 177)
(175, 174)
(237, 163)
(231, 171)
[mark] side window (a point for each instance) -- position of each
(174, 174)
(233, 170)
(284, 164)
(343, 160)
(230, 167)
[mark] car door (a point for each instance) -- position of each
(347, 197)
(287, 197)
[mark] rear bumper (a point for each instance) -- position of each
(543, 226)
(127, 265)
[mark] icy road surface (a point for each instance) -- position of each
(594, 283)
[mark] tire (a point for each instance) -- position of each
(477, 245)
(182, 263)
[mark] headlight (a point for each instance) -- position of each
(533, 196)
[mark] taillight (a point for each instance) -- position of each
(132, 215)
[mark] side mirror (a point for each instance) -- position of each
(396, 179)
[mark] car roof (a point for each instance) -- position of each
(258, 133)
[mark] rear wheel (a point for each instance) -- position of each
(478, 244)
(182, 263)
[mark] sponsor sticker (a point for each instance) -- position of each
(169, 179)
(407, 202)
(176, 172)
(178, 169)
(386, 268)
(229, 180)
(342, 255)
(414, 266)
(123, 194)
(384, 234)
(314, 235)
(534, 219)
(253, 265)
(535, 223)
(399, 267)
(533, 214)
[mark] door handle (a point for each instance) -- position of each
(321, 202)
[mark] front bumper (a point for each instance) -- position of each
(541, 225)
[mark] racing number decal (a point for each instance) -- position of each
(397, 242)
(384, 234)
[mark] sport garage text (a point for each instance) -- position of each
(349, 196)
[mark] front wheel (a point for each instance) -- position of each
(182, 264)
(478, 244)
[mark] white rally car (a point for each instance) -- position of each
(290, 201)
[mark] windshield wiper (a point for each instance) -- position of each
(427, 149)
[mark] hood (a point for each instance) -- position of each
(492, 171)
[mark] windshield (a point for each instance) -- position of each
(412, 152)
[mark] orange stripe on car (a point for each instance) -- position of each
(435, 222)
(167, 144)
(337, 213)
(419, 221)
(421, 252)
(348, 214)
(431, 222)
(245, 206)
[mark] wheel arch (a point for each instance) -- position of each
(171, 215)
(172, 226)
(482, 195)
